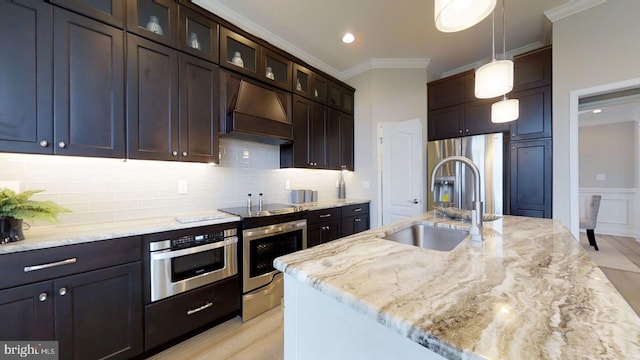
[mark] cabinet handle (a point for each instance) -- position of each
(42, 297)
(325, 215)
(49, 265)
(184, 153)
(357, 209)
(62, 291)
(174, 153)
(44, 143)
(326, 228)
(205, 306)
(358, 220)
(62, 145)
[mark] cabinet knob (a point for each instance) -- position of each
(42, 296)
(62, 145)
(466, 130)
(460, 131)
(184, 153)
(174, 153)
(62, 291)
(513, 148)
(44, 143)
(358, 220)
(513, 134)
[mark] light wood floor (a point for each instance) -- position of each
(627, 282)
(262, 337)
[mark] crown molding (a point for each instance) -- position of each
(477, 64)
(385, 63)
(571, 8)
(216, 7)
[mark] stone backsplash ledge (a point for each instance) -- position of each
(98, 190)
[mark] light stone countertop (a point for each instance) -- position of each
(328, 204)
(42, 237)
(529, 291)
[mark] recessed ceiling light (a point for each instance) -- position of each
(348, 38)
(597, 111)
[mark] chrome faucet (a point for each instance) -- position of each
(476, 216)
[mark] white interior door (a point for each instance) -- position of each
(402, 170)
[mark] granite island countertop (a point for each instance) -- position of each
(529, 291)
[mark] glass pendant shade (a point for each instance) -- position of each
(457, 15)
(505, 110)
(494, 79)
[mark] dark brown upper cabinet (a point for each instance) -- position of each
(111, 12)
(302, 80)
(309, 147)
(199, 110)
(449, 91)
(240, 54)
(535, 114)
(340, 97)
(276, 69)
(532, 69)
(26, 118)
(198, 35)
(152, 100)
(88, 87)
(340, 140)
(155, 20)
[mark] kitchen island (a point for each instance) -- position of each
(529, 291)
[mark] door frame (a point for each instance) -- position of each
(574, 150)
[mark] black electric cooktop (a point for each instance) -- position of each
(266, 210)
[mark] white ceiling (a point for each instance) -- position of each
(398, 33)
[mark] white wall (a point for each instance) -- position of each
(110, 189)
(594, 47)
(382, 95)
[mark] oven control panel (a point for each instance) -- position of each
(201, 239)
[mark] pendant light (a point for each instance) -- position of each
(495, 78)
(457, 15)
(507, 109)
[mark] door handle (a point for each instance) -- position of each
(414, 201)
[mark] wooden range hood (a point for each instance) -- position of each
(254, 111)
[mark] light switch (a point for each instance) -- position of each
(287, 185)
(601, 177)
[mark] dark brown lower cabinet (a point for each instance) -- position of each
(323, 226)
(355, 219)
(175, 316)
(531, 178)
(93, 315)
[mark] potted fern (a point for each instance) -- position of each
(17, 207)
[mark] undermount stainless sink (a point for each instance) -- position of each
(428, 237)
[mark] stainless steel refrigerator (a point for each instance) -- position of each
(454, 181)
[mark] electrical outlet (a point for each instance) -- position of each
(183, 187)
(287, 185)
(337, 183)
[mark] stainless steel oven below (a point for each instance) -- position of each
(263, 244)
(173, 271)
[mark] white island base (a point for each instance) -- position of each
(319, 327)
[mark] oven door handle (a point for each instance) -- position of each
(169, 254)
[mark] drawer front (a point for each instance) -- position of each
(167, 319)
(44, 264)
(319, 216)
(353, 210)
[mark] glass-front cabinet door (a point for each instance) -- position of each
(198, 35)
(239, 53)
(301, 80)
(277, 69)
(156, 20)
(108, 11)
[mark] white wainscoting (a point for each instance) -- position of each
(617, 215)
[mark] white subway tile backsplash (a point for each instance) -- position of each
(112, 189)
